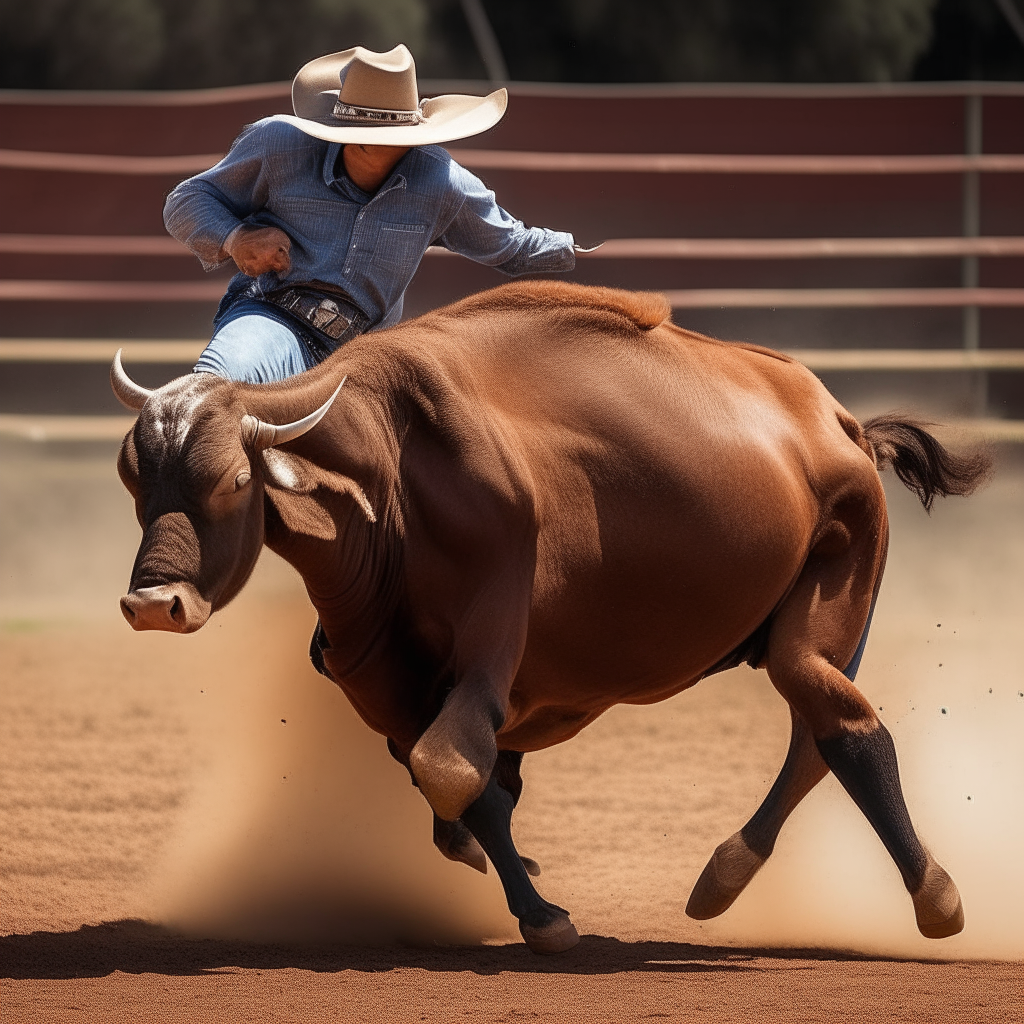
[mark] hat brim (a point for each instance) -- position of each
(445, 118)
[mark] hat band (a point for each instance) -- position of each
(348, 112)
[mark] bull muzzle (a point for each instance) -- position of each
(174, 608)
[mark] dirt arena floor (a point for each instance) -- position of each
(198, 829)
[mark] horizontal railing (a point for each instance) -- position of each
(684, 298)
(615, 248)
(521, 160)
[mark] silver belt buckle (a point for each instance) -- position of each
(328, 317)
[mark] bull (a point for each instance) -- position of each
(532, 505)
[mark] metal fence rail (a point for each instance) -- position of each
(543, 162)
(614, 248)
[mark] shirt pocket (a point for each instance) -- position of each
(319, 226)
(399, 247)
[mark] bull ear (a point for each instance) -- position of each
(128, 465)
(288, 472)
(291, 483)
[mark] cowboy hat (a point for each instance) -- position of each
(371, 98)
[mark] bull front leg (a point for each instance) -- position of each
(545, 927)
(470, 785)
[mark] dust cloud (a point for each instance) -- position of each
(213, 782)
(302, 827)
(943, 666)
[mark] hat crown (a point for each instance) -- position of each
(359, 96)
(380, 81)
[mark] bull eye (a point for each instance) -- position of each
(242, 479)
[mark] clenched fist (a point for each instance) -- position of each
(259, 250)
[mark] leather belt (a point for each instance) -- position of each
(330, 315)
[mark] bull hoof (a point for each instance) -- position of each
(555, 935)
(937, 905)
(725, 876)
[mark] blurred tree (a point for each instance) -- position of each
(711, 40)
(972, 39)
(79, 44)
(96, 44)
(116, 44)
(223, 42)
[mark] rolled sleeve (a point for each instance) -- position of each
(482, 231)
(202, 211)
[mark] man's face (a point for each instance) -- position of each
(368, 166)
(378, 156)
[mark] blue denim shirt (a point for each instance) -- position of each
(368, 245)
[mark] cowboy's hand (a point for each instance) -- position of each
(259, 250)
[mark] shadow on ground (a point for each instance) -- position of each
(137, 947)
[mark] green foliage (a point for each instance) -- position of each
(78, 44)
(972, 39)
(116, 44)
(712, 40)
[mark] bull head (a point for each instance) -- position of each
(189, 462)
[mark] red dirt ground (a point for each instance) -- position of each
(199, 829)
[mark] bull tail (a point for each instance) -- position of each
(923, 464)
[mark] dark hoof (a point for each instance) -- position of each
(953, 925)
(554, 936)
(937, 905)
(725, 876)
(532, 867)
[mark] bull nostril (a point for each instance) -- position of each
(177, 610)
(127, 611)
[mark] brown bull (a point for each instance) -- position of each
(532, 505)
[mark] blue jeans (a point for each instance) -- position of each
(255, 343)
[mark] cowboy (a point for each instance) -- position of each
(328, 213)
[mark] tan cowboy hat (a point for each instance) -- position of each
(365, 97)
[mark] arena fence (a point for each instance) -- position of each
(969, 247)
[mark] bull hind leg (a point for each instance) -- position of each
(733, 865)
(735, 862)
(817, 628)
(545, 926)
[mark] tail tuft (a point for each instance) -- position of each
(922, 463)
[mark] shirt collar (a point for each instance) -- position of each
(347, 187)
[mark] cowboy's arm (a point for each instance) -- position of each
(207, 213)
(484, 232)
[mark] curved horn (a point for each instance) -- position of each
(128, 393)
(266, 435)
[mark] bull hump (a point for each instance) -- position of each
(644, 310)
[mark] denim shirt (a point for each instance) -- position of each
(367, 245)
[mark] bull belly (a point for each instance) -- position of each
(585, 657)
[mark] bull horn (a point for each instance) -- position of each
(266, 435)
(128, 393)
